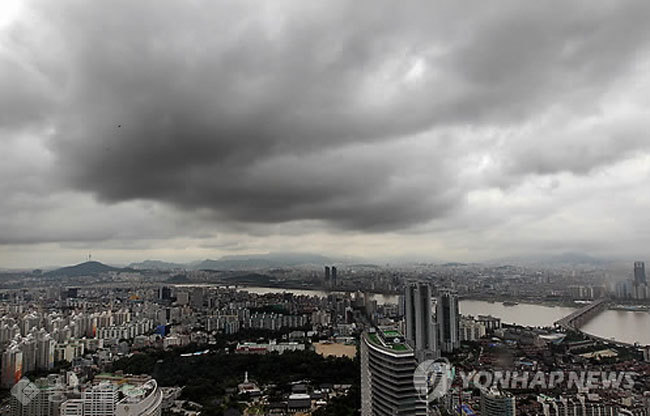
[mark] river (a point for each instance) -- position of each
(626, 326)
(526, 314)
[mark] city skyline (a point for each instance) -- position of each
(429, 132)
(350, 339)
(341, 208)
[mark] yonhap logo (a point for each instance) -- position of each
(432, 379)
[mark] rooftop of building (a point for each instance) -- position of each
(388, 338)
(496, 393)
(121, 378)
(135, 394)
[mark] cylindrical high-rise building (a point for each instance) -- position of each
(497, 403)
(388, 364)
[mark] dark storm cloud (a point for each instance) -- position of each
(281, 111)
(583, 148)
(25, 97)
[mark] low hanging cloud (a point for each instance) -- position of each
(367, 115)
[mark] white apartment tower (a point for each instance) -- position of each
(12, 365)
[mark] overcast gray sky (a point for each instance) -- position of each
(434, 130)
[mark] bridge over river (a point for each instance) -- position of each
(579, 317)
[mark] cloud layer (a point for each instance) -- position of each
(440, 121)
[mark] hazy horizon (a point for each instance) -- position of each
(570, 259)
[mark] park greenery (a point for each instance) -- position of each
(213, 377)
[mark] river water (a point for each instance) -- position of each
(626, 326)
(522, 314)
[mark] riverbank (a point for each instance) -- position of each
(285, 286)
(616, 304)
(530, 301)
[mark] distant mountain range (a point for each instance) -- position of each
(226, 263)
(157, 265)
(89, 268)
(277, 260)
(238, 262)
(562, 259)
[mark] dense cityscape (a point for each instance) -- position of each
(324, 208)
(98, 340)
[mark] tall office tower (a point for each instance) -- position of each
(387, 367)
(164, 293)
(420, 331)
(12, 365)
(334, 283)
(497, 403)
(639, 273)
(327, 276)
(447, 317)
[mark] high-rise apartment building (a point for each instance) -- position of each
(73, 407)
(45, 347)
(115, 398)
(420, 330)
(12, 365)
(447, 319)
(330, 276)
(29, 348)
(639, 273)
(100, 400)
(43, 399)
